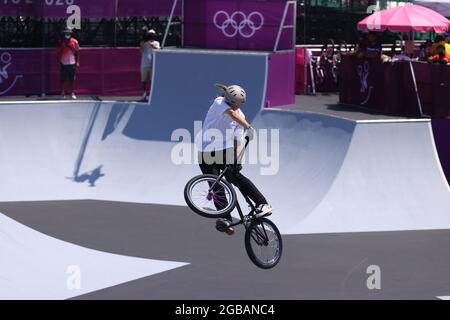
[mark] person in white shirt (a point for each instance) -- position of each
(219, 141)
(147, 46)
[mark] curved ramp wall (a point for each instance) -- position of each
(333, 175)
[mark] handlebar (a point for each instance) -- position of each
(241, 154)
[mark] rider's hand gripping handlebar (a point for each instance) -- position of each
(248, 137)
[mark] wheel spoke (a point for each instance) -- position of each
(265, 243)
(214, 201)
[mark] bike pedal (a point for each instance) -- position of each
(224, 228)
(220, 228)
(227, 230)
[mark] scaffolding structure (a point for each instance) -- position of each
(317, 21)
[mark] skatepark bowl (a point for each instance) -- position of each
(92, 206)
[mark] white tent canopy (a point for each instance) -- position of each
(441, 6)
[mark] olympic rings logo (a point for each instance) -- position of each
(231, 26)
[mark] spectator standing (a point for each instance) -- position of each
(325, 59)
(361, 47)
(148, 44)
(374, 48)
(337, 58)
(68, 56)
(424, 50)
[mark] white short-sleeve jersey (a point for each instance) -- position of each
(219, 130)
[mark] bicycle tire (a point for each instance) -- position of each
(209, 178)
(250, 239)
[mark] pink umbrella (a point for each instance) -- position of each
(407, 18)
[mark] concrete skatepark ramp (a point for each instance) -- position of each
(350, 176)
(46, 150)
(333, 175)
(36, 266)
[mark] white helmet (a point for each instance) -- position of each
(233, 94)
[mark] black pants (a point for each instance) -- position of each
(67, 72)
(233, 174)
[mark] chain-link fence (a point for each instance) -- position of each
(29, 32)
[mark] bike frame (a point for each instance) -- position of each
(244, 218)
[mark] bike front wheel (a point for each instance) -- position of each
(208, 201)
(263, 243)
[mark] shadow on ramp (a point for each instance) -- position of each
(91, 176)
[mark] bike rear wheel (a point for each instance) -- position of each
(215, 203)
(263, 243)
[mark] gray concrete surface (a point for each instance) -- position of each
(328, 104)
(414, 264)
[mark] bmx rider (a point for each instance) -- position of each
(225, 115)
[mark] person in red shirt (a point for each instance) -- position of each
(69, 59)
(441, 56)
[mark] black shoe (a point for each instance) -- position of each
(223, 225)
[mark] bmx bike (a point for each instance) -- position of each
(211, 196)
